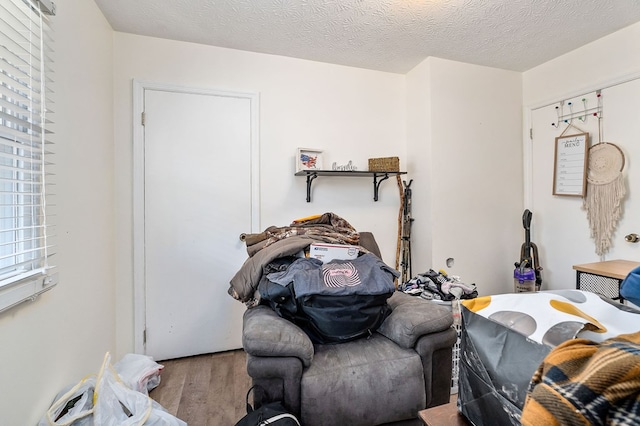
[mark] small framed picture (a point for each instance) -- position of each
(308, 159)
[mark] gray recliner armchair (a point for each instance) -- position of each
(404, 367)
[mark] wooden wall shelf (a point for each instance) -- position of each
(378, 177)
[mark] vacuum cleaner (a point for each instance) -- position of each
(527, 276)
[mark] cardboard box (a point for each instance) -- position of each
(329, 252)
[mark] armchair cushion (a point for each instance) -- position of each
(412, 318)
(363, 382)
(266, 334)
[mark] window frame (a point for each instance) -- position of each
(25, 77)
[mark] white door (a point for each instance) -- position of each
(560, 227)
(197, 201)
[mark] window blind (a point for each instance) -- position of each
(25, 151)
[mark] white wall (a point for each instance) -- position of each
(63, 335)
(582, 70)
(467, 152)
(420, 162)
(350, 113)
(561, 229)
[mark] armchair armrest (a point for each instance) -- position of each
(265, 334)
(411, 319)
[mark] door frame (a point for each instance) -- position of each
(138, 173)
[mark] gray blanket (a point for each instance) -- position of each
(245, 282)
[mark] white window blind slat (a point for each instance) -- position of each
(24, 204)
(10, 60)
(16, 53)
(23, 252)
(35, 211)
(20, 142)
(19, 100)
(11, 171)
(20, 229)
(28, 164)
(17, 180)
(20, 38)
(23, 148)
(15, 108)
(26, 239)
(22, 32)
(25, 79)
(21, 120)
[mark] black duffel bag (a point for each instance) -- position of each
(344, 301)
(272, 413)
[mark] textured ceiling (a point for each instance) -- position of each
(386, 35)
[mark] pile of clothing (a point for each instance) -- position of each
(265, 250)
(327, 227)
(336, 300)
(432, 285)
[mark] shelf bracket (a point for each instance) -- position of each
(376, 184)
(310, 178)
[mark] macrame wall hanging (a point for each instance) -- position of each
(605, 191)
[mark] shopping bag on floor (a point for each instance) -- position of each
(72, 407)
(139, 372)
(115, 404)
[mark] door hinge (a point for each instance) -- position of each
(144, 336)
(531, 133)
(143, 118)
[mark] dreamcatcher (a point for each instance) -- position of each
(605, 191)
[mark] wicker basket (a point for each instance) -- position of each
(385, 164)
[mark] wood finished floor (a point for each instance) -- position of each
(205, 390)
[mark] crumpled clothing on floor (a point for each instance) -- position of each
(434, 285)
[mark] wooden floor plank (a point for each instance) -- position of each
(195, 393)
(205, 390)
(172, 378)
(221, 404)
(242, 383)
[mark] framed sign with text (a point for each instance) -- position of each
(570, 165)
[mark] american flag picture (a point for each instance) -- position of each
(308, 161)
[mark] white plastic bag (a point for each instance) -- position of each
(115, 404)
(139, 372)
(73, 407)
(106, 400)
